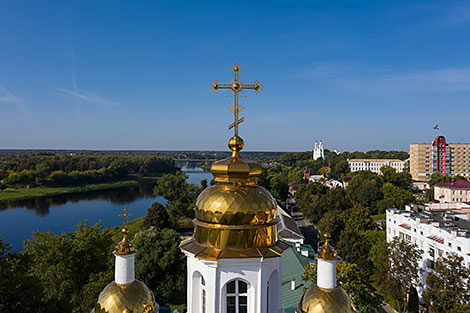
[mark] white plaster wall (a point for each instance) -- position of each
(256, 272)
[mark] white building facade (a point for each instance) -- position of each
(374, 165)
(437, 233)
(452, 192)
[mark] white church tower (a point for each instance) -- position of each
(318, 151)
(234, 257)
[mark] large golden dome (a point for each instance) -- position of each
(135, 297)
(235, 218)
(233, 205)
(320, 300)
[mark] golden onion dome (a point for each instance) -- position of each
(236, 205)
(135, 297)
(320, 300)
(235, 218)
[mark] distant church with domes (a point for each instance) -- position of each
(318, 152)
(235, 256)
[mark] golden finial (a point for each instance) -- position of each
(236, 86)
(125, 246)
(326, 252)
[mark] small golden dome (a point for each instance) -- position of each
(135, 297)
(319, 300)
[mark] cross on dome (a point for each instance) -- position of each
(236, 86)
(125, 215)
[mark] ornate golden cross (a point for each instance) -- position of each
(125, 215)
(236, 86)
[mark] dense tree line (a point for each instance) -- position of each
(374, 192)
(66, 169)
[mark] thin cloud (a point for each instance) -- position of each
(9, 98)
(81, 95)
(445, 80)
(86, 96)
(454, 79)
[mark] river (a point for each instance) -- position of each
(18, 220)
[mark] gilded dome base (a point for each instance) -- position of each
(211, 253)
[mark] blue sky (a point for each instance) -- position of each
(136, 74)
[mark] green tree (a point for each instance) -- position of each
(394, 197)
(63, 264)
(448, 286)
(332, 223)
(397, 270)
(315, 206)
(90, 291)
(160, 263)
(353, 245)
(295, 175)
(181, 196)
(413, 302)
(157, 215)
(19, 292)
(364, 188)
(308, 190)
(278, 186)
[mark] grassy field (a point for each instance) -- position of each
(15, 194)
(133, 226)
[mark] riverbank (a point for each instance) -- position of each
(17, 194)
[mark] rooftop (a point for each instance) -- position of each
(461, 184)
(375, 160)
(447, 220)
(293, 263)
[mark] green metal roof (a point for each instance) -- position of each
(293, 263)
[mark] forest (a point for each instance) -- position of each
(51, 169)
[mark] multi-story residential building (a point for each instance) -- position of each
(436, 233)
(452, 192)
(439, 156)
(374, 165)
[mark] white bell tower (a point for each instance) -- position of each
(318, 151)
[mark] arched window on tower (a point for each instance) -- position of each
(203, 295)
(237, 297)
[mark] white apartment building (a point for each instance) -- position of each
(374, 165)
(452, 192)
(437, 233)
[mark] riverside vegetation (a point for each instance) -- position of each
(24, 176)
